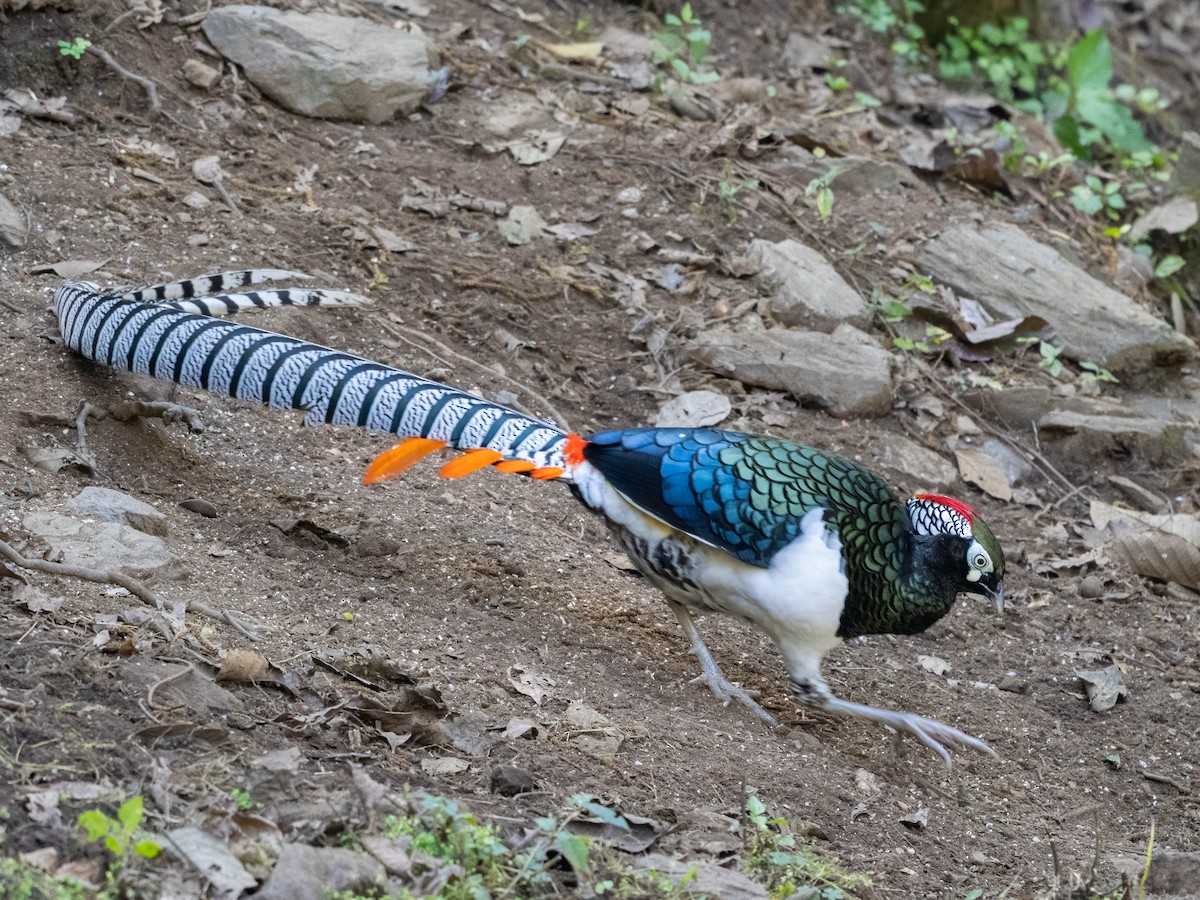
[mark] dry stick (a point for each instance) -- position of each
(187, 670)
(195, 18)
(414, 337)
(148, 85)
(1166, 779)
(125, 410)
(86, 411)
(1047, 467)
(108, 576)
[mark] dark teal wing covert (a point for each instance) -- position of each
(748, 494)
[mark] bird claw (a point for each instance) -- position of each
(934, 735)
(726, 691)
(930, 732)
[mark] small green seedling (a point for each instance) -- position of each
(683, 45)
(820, 189)
(728, 189)
(119, 834)
(74, 49)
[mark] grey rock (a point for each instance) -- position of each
(1185, 176)
(812, 366)
(104, 545)
(801, 53)
(1082, 438)
(704, 878)
(1133, 271)
(201, 75)
(906, 461)
(1016, 467)
(857, 176)
(14, 227)
(1017, 407)
(326, 66)
(313, 873)
(112, 506)
(1174, 872)
(808, 290)
(1013, 275)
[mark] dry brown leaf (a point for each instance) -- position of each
(1104, 687)
(979, 469)
(247, 665)
(583, 50)
(34, 600)
(531, 684)
(1157, 554)
(444, 765)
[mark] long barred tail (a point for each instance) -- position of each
(167, 331)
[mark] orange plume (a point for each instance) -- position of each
(392, 462)
(515, 465)
(471, 461)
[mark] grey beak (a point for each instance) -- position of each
(997, 597)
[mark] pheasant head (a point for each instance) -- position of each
(953, 546)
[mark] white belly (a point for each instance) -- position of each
(797, 599)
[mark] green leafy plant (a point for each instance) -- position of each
(1095, 374)
(119, 834)
(883, 308)
(727, 190)
(682, 46)
(894, 19)
(821, 191)
(446, 839)
(20, 881)
(74, 48)
(1168, 266)
(788, 868)
(935, 336)
(243, 800)
(1091, 111)
(1005, 55)
(121, 837)
(1095, 196)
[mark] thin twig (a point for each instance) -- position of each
(416, 338)
(187, 670)
(1166, 779)
(1047, 467)
(109, 576)
(169, 412)
(86, 411)
(97, 576)
(149, 86)
(195, 18)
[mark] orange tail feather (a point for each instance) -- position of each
(392, 462)
(471, 461)
(515, 465)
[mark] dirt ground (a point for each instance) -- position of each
(469, 586)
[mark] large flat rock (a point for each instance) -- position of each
(845, 373)
(325, 66)
(1013, 275)
(809, 292)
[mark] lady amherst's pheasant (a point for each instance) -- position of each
(808, 546)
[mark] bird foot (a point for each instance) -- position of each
(726, 691)
(933, 734)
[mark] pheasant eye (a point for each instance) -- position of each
(980, 561)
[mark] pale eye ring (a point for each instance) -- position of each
(980, 561)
